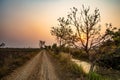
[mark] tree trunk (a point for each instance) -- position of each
(92, 67)
(60, 42)
(92, 63)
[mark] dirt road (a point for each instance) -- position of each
(39, 68)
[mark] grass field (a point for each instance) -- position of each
(11, 58)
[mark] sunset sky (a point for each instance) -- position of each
(24, 22)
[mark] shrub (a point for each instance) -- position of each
(76, 69)
(64, 57)
(68, 65)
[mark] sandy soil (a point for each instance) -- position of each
(39, 68)
(47, 69)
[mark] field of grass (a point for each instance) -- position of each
(12, 58)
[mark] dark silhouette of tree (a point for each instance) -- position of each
(115, 35)
(88, 31)
(112, 49)
(64, 33)
(47, 47)
(42, 44)
(54, 46)
(115, 39)
(2, 45)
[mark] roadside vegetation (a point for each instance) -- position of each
(12, 58)
(72, 71)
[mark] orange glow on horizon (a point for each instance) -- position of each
(32, 21)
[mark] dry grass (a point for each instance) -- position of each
(11, 58)
(75, 69)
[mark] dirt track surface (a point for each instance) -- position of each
(39, 68)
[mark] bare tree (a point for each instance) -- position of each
(88, 31)
(64, 33)
(42, 44)
(2, 45)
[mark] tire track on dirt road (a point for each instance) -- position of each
(47, 69)
(39, 68)
(25, 71)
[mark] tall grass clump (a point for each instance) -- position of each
(68, 65)
(94, 76)
(64, 58)
(78, 70)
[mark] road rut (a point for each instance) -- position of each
(39, 68)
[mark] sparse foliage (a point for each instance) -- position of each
(2, 45)
(112, 48)
(64, 33)
(42, 44)
(88, 30)
(115, 35)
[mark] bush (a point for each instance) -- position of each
(79, 54)
(76, 69)
(64, 58)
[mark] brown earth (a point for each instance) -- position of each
(39, 68)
